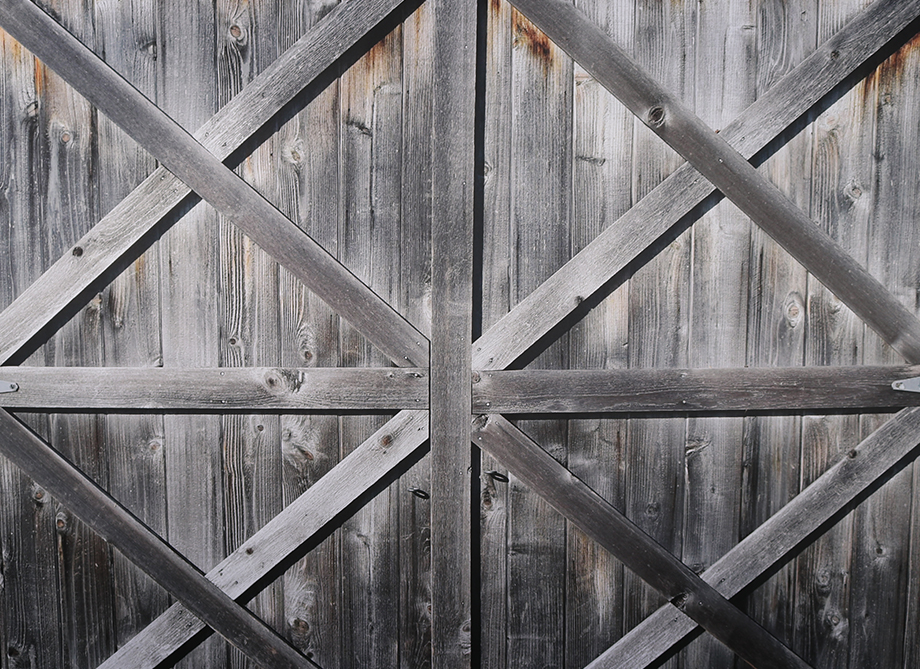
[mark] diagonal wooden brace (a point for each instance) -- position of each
(142, 546)
(185, 157)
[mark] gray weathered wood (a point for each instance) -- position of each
(687, 591)
(135, 217)
(791, 389)
(308, 515)
(216, 389)
(124, 531)
(130, 323)
(651, 217)
(770, 543)
(452, 185)
(185, 157)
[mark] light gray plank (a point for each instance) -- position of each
(651, 217)
(687, 591)
(131, 221)
(386, 450)
(770, 543)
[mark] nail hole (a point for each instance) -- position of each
(77, 251)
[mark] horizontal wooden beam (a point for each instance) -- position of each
(683, 390)
(628, 543)
(143, 547)
(889, 448)
(652, 216)
(124, 231)
(256, 389)
(402, 439)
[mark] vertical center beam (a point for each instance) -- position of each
(451, 328)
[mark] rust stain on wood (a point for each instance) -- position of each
(528, 35)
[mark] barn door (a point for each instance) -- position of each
(504, 187)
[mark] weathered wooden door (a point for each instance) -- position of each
(464, 366)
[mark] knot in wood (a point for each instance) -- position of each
(656, 116)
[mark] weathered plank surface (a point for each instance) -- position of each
(596, 446)
(452, 184)
(581, 505)
(130, 318)
(611, 252)
(217, 389)
(300, 522)
(688, 390)
(114, 523)
(214, 182)
(133, 219)
(849, 476)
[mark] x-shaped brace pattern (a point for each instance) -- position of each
(698, 597)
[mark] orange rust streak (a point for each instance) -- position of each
(528, 34)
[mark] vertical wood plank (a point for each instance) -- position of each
(249, 318)
(308, 170)
(540, 203)
(189, 257)
(497, 265)
(371, 121)
(776, 316)
(602, 192)
(724, 85)
(420, 54)
(659, 300)
(452, 183)
(842, 154)
(881, 575)
(32, 622)
(131, 317)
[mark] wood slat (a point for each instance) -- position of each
(793, 389)
(128, 225)
(385, 451)
(887, 450)
(452, 180)
(124, 531)
(654, 215)
(597, 518)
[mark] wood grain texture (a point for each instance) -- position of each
(218, 390)
(792, 389)
(850, 475)
(612, 251)
(687, 591)
(130, 319)
(134, 218)
(117, 526)
(31, 614)
(596, 446)
(776, 315)
(452, 185)
(400, 439)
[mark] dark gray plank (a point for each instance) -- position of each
(29, 601)
(124, 531)
(770, 543)
(452, 181)
(216, 389)
(596, 446)
(161, 192)
(651, 217)
(688, 390)
(130, 324)
(687, 591)
(308, 515)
